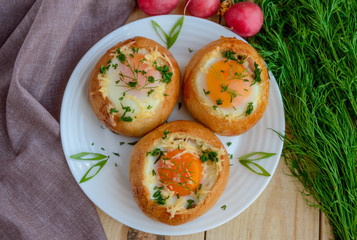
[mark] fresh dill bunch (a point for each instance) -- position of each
(311, 48)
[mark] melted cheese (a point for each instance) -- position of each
(160, 59)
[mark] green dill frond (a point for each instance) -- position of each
(311, 48)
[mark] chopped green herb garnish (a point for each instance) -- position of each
(103, 69)
(232, 93)
(151, 79)
(159, 199)
(190, 203)
(127, 119)
(229, 143)
(231, 55)
(126, 110)
(113, 110)
(219, 101)
(153, 153)
(165, 73)
(156, 152)
(209, 155)
(165, 134)
(160, 188)
(132, 84)
(224, 207)
(161, 154)
(257, 72)
(150, 92)
(206, 92)
(121, 56)
(249, 109)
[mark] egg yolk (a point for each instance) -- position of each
(180, 171)
(228, 83)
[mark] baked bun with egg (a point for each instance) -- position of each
(134, 86)
(178, 172)
(226, 86)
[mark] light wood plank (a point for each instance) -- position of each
(279, 213)
(112, 228)
(115, 230)
(325, 228)
(197, 236)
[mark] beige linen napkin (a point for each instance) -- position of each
(41, 43)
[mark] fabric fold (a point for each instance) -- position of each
(39, 197)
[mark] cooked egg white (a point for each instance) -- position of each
(174, 202)
(240, 88)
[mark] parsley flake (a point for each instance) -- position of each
(209, 155)
(257, 72)
(190, 202)
(249, 109)
(206, 92)
(165, 134)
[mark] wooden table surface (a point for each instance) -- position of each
(280, 212)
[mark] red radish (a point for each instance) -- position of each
(157, 7)
(202, 8)
(246, 18)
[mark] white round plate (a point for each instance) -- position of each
(110, 188)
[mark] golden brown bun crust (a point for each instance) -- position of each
(136, 172)
(137, 127)
(204, 114)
